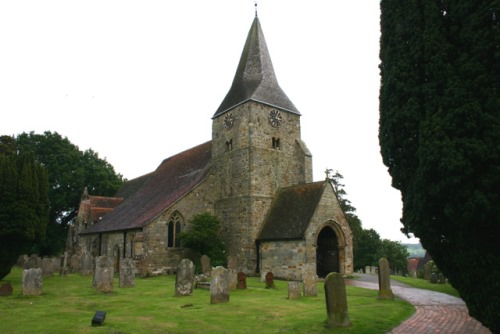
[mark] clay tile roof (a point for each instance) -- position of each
(173, 179)
(130, 187)
(255, 78)
(291, 212)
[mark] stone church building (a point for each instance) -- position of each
(255, 175)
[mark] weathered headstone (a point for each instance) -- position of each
(309, 279)
(184, 279)
(242, 280)
(263, 276)
(34, 261)
(32, 282)
(6, 290)
(47, 267)
(336, 301)
(384, 280)
(22, 260)
(86, 264)
(104, 274)
(206, 267)
(269, 280)
(74, 263)
(127, 273)
(427, 271)
(233, 279)
(293, 290)
(219, 286)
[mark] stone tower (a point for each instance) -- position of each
(256, 147)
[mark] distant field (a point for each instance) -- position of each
(69, 303)
(415, 250)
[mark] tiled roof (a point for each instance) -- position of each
(173, 179)
(130, 187)
(255, 78)
(291, 212)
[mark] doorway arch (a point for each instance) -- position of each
(327, 252)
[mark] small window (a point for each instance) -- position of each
(174, 230)
(229, 145)
(276, 143)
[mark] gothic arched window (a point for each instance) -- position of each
(174, 226)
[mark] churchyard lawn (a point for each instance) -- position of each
(68, 304)
(426, 285)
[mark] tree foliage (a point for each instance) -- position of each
(69, 172)
(24, 203)
(440, 136)
(204, 238)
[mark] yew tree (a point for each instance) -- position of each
(440, 136)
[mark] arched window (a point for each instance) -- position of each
(173, 230)
(276, 143)
(229, 145)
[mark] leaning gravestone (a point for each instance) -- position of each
(206, 267)
(219, 287)
(104, 274)
(32, 282)
(185, 279)
(127, 273)
(293, 290)
(309, 278)
(336, 301)
(384, 280)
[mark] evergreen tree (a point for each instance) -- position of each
(24, 204)
(440, 136)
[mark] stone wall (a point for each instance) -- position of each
(285, 259)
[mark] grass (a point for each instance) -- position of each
(68, 304)
(424, 284)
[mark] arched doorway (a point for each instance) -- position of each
(327, 252)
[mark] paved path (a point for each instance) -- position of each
(435, 312)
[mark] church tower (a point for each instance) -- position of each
(256, 147)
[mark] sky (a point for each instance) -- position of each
(138, 81)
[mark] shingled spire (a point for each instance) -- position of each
(255, 79)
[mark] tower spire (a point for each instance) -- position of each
(255, 79)
(255, 4)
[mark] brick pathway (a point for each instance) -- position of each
(435, 312)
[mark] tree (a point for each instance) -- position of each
(396, 253)
(70, 171)
(204, 239)
(24, 203)
(440, 136)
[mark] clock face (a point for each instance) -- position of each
(275, 118)
(228, 121)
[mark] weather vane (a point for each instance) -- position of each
(255, 4)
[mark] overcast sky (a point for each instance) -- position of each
(138, 81)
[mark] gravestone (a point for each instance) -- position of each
(293, 290)
(309, 279)
(242, 280)
(6, 290)
(206, 268)
(74, 263)
(127, 273)
(269, 280)
(336, 301)
(427, 271)
(219, 286)
(434, 278)
(384, 280)
(32, 282)
(263, 276)
(22, 260)
(441, 279)
(233, 279)
(86, 264)
(47, 267)
(184, 279)
(104, 274)
(34, 261)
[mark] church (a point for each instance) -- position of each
(255, 175)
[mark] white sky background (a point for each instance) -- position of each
(138, 81)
